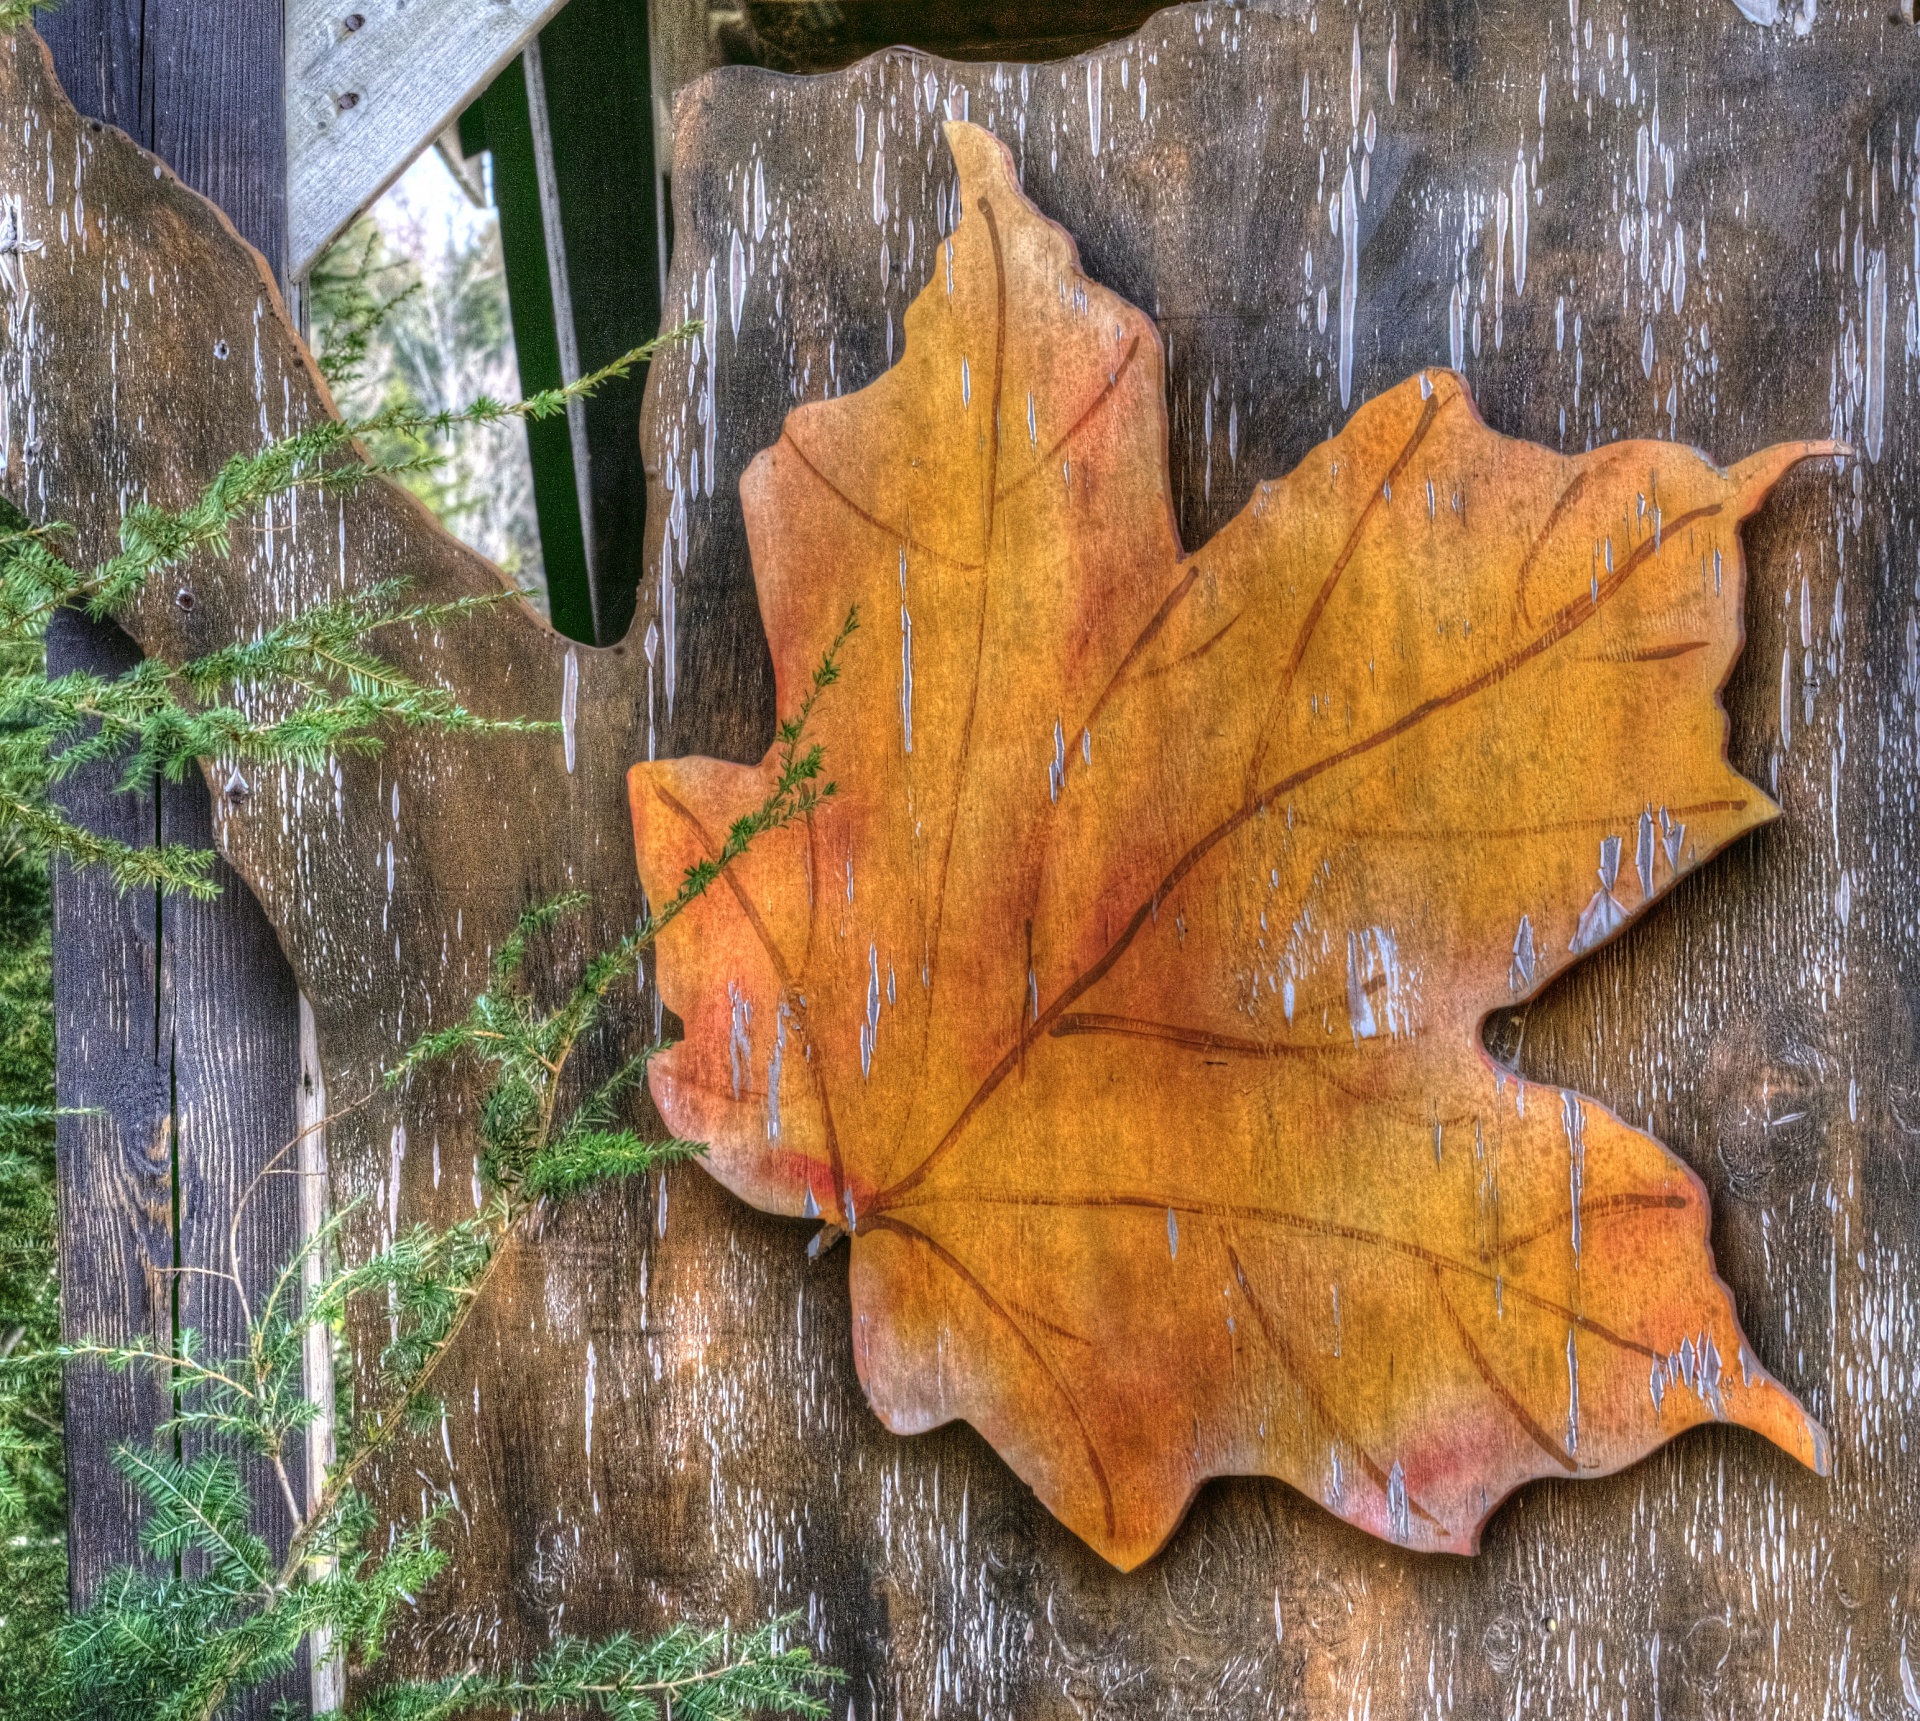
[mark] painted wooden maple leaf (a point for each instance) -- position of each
(1124, 1005)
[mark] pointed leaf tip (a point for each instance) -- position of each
(1754, 477)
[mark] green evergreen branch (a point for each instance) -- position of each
(308, 689)
(547, 403)
(200, 1504)
(170, 866)
(188, 1371)
(180, 1646)
(16, 1449)
(525, 1156)
(33, 1577)
(795, 793)
(685, 1673)
(523, 1152)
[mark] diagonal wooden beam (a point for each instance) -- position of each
(371, 83)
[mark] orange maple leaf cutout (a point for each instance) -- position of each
(1124, 1004)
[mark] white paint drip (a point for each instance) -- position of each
(1573, 1118)
(592, 1369)
(1520, 974)
(1399, 1520)
(569, 703)
(1603, 915)
(1520, 226)
(774, 1064)
(396, 1158)
(1573, 1394)
(739, 1037)
(870, 1027)
(1876, 359)
(1349, 261)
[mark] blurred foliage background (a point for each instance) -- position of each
(409, 310)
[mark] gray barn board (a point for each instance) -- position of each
(657, 1417)
(370, 86)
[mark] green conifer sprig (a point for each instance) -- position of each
(231, 1614)
(685, 1673)
(526, 1153)
(216, 1614)
(795, 793)
(306, 690)
(18, 1449)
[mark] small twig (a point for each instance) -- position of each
(129, 1354)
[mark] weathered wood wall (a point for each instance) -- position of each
(658, 1417)
(1694, 265)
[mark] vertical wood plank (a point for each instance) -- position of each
(327, 1660)
(201, 86)
(96, 48)
(178, 1019)
(213, 86)
(229, 1027)
(115, 1145)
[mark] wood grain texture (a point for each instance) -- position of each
(681, 46)
(198, 85)
(131, 262)
(176, 1020)
(229, 1041)
(1123, 1008)
(1640, 1588)
(369, 85)
(660, 1415)
(115, 1143)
